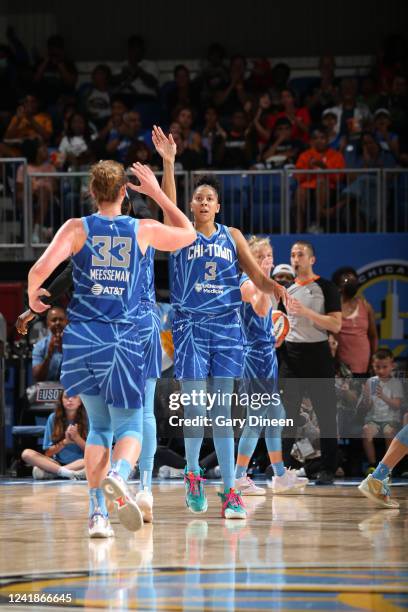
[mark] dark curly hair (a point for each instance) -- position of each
(341, 271)
(210, 181)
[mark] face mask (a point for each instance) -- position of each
(285, 283)
(350, 288)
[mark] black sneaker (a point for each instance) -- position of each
(325, 478)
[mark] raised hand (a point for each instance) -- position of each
(165, 146)
(148, 182)
(35, 302)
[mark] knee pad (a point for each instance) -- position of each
(127, 423)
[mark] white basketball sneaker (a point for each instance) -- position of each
(288, 482)
(144, 500)
(116, 490)
(39, 474)
(246, 485)
(99, 526)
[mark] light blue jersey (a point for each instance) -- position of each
(148, 319)
(205, 275)
(148, 292)
(107, 271)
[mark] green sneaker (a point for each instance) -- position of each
(196, 500)
(232, 505)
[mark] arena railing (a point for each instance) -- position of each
(14, 209)
(334, 201)
(58, 196)
(257, 201)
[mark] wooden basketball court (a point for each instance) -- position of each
(324, 549)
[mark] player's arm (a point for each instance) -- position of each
(68, 240)
(167, 149)
(249, 264)
(260, 302)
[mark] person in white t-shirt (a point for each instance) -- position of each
(382, 395)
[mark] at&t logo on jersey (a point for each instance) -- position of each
(100, 290)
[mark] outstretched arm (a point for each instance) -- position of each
(249, 264)
(153, 233)
(69, 239)
(167, 149)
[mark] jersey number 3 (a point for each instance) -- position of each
(210, 271)
(106, 244)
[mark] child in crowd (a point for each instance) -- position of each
(382, 395)
(64, 443)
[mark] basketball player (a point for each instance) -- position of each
(208, 338)
(375, 486)
(102, 353)
(260, 377)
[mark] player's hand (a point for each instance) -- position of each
(148, 182)
(35, 302)
(165, 146)
(23, 321)
(280, 293)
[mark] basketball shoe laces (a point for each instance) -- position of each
(194, 482)
(234, 499)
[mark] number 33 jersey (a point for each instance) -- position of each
(108, 271)
(205, 275)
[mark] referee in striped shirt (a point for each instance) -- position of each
(307, 366)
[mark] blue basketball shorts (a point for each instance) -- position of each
(207, 346)
(104, 359)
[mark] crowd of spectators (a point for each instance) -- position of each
(235, 113)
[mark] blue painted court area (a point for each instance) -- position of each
(339, 589)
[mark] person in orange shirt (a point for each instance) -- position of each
(315, 189)
(28, 123)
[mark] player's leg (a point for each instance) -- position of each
(144, 498)
(97, 461)
(127, 428)
(375, 486)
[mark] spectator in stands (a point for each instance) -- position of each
(127, 131)
(358, 338)
(397, 103)
(42, 188)
(235, 94)
(299, 117)
(27, 124)
(183, 93)
(138, 152)
(96, 97)
(325, 94)
(358, 202)
(187, 158)
(237, 149)
(75, 145)
(212, 136)
(191, 138)
(329, 121)
(264, 115)
(283, 274)
(214, 74)
(382, 397)
(352, 117)
(282, 149)
(139, 77)
(280, 80)
(64, 443)
(47, 353)
(388, 140)
(55, 75)
(261, 77)
(316, 190)
(369, 95)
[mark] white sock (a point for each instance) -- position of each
(65, 473)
